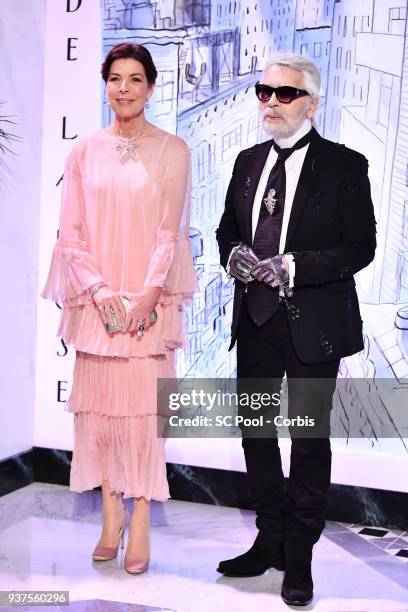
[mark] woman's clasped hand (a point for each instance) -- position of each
(140, 310)
(136, 316)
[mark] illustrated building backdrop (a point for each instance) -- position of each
(209, 55)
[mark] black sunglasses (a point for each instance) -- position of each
(285, 94)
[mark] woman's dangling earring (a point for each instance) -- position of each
(147, 105)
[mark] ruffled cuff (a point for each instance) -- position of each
(159, 265)
(72, 273)
(173, 270)
(181, 278)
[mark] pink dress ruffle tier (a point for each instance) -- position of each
(125, 224)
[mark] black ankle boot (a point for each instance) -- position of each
(297, 587)
(254, 562)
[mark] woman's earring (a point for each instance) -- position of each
(147, 105)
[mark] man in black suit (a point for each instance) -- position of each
(298, 224)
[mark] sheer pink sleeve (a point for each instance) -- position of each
(171, 265)
(73, 270)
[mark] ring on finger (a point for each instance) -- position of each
(140, 328)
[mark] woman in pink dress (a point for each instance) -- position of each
(124, 230)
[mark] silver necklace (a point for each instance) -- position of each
(128, 147)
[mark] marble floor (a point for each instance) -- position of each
(47, 534)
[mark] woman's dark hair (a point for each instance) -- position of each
(132, 51)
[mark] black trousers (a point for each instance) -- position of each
(298, 512)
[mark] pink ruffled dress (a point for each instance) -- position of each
(126, 224)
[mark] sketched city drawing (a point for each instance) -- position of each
(209, 55)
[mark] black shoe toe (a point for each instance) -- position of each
(252, 563)
(297, 588)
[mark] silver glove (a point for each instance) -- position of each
(273, 273)
(241, 263)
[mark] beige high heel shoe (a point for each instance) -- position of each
(135, 565)
(106, 553)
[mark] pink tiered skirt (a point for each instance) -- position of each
(114, 400)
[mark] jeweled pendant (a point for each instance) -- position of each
(128, 148)
(270, 201)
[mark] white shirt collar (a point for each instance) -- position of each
(288, 142)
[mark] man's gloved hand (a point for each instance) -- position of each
(273, 273)
(241, 262)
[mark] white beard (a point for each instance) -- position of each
(285, 128)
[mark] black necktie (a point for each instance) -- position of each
(263, 301)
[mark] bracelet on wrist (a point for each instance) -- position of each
(96, 288)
